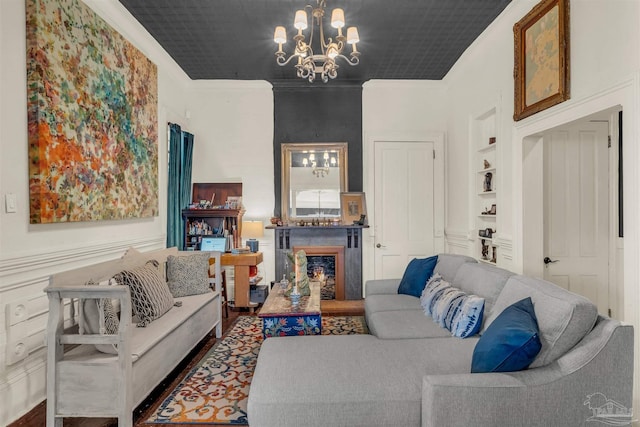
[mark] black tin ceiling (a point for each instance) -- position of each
(233, 39)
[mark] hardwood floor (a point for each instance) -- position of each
(36, 417)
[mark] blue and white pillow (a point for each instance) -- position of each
(467, 319)
(432, 291)
(446, 303)
(451, 308)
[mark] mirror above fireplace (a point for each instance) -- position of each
(313, 176)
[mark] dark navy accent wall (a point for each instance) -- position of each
(314, 113)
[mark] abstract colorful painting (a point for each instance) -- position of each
(92, 117)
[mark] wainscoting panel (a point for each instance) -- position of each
(505, 251)
(457, 242)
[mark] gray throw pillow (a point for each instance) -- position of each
(92, 314)
(188, 275)
(150, 296)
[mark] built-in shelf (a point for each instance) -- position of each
(487, 148)
(484, 162)
(483, 171)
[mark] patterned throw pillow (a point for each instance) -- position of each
(452, 308)
(188, 275)
(448, 300)
(150, 296)
(467, 319)
(432, 291)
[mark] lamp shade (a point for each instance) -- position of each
(337, 18)
(352, 35)
(252, 229)
(280, 35)
(300, 20)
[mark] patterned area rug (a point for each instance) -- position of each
(217, 388)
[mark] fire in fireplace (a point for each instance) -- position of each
(326, 264)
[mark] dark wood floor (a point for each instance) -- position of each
(36, 417)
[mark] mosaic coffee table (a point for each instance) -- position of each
(280, 318)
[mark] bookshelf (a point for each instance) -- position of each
(485, 170)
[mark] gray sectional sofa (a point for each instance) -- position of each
(411, 372)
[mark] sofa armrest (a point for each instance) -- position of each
(381, 287)
(556, 394)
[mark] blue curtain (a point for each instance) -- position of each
(185, 177)
(179, 183)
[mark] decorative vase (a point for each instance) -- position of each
(295, 295)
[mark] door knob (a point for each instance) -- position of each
(548, 260)
(380, 246)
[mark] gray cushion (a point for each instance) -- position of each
(188, 275)
(91, 314)
(381, 286)
(448, 265)
(484, 280)
(375, 303)
(564, 318)
(404, 324)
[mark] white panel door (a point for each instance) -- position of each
(576, 188)
(404, 201)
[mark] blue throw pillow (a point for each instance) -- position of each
(416, 275)
(511, 341)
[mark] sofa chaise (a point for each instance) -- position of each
(411, 372)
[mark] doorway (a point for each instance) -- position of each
(408, 202)
(571, 209)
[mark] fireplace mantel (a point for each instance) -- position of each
(348, 236)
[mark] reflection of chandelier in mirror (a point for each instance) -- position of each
(320, 171)
(323, 62)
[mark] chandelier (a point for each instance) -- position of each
(319, 171)
(323, 61)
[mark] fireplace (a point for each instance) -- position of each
(341, 241)
(326, 264)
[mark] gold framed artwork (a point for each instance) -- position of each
(541, 58)
(352, 206)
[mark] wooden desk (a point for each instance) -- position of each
(241, 264)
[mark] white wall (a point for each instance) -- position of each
(604, 51)
(233, 126)
(396, 111)
(605, 62)
(30, 253)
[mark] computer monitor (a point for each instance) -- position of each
(213, 243)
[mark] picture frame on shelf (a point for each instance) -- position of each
(541, 58)
(492, 211)
(352, 206)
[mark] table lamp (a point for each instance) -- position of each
(251, 230)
